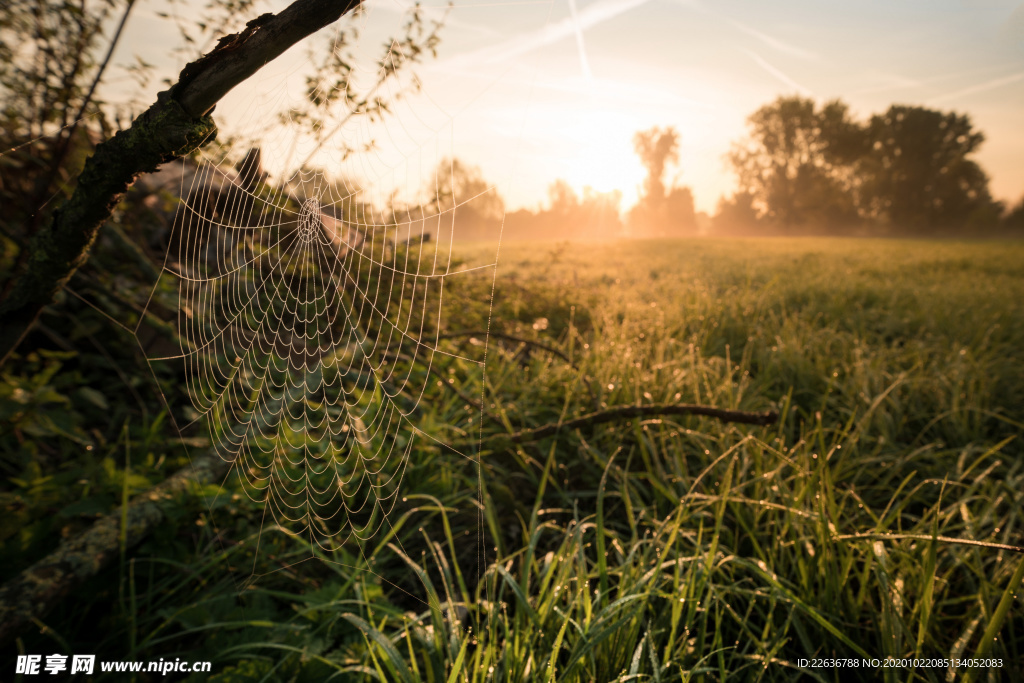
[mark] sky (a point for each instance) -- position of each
(537, 90)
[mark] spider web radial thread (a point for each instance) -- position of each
(309, 310)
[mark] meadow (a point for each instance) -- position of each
(881, 516)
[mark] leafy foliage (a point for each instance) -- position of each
(918, 175)
(809, 168)
(796, 162)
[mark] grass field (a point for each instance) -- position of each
(876, 519)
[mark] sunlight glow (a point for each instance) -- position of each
(599, 153)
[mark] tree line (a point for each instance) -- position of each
(662, 210)
(809, 168)
(803, 168)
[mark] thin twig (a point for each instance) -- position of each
(508, 337)
(926, 537)
(64, 138)
(623, 412)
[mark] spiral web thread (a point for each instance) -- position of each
(310, 317)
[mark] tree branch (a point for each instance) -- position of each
(237, 57)
(64, 138)
(177, 124)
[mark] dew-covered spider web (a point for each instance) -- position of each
(311, 260)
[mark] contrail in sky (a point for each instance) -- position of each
(584, 63)
(981, 87)
(593, 15)
(432, 13)
(806, 92)
(780, 45)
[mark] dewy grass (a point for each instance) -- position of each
(882, 516)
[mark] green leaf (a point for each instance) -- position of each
(94, 397)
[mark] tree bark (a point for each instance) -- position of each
(37, 589)
(177, 124)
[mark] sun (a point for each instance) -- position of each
(597, 152)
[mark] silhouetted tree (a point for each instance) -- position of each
(50, 65)
(562, 198)
(917, 177)
(797, 164)
(657, 149)
(661, 211)
(459, 199)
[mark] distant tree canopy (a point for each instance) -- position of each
(458, 198)
(806, 167)
(916, 175)
(661, 211)
(1013, 222)
(796, 162)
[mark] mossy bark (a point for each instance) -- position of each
(162, 133)
(37, 589)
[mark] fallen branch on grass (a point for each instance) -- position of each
(649, 411)
(36, 590)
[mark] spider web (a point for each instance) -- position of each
(310, 305)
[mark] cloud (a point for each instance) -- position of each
(1012, 30)
(885, 82)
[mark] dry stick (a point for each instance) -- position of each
(881, 536)
(508, 337)
(623, 412)
(36, 590)
(177, 124)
